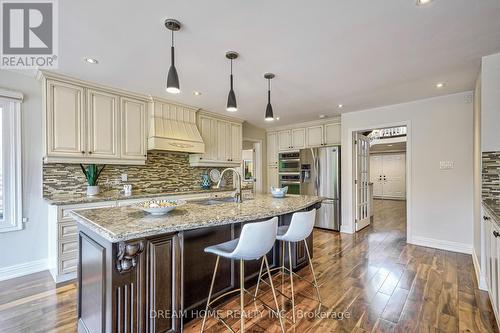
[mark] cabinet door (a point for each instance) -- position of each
(394, 175)
(284, 140)
(314, 136)
(376, 175)
(133, 129)
(208, 131)
(272, 177)
(102, 125)
(65, 122)
(236, 142)
(298, 138)
(332, 134)
(487, 249)
(495, 266)
(272, 149)
(223, 140)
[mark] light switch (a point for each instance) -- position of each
(124, 177)
(446, 165)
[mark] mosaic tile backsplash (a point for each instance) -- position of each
(491, 176)
(163, 172)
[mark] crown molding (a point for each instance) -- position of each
(332, 120)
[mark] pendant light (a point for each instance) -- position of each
(173, 86)
(269, 107)
(231, 97)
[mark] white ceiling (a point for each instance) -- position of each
(359, 53)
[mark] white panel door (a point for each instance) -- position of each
(362, 148)
(65, 117)
(133, 129)
(284, 140)
(376, 172)
(236, 142)
(272, 149)
(298, 138)
(314, 136)
(102, 125)
(394, 176)
(332, 134)
(272, 177)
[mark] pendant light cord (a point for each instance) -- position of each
(172, 49)
(269, 90)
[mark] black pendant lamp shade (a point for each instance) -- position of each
(269, 107)
(173, 86)
(231, 97)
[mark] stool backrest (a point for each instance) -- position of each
(256, 239)
(301, 225)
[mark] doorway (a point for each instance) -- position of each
(380, 167)
(251, 165)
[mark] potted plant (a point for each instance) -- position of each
(92, 173)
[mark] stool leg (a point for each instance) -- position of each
(274, 294)
(283, 267)
(242, 296)
(291, 279)
(209, 294)
(258, 280)
(312, 270)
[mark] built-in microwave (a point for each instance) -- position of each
(289, 162)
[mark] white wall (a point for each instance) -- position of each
(441, 203)
(27, 247)
(490, 103)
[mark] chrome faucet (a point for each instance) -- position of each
(237, 195)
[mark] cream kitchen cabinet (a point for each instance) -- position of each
(298, 136)
(284, 140)
(86, 123)
(223, 138)
(272, 177)
(332, 134)
(314, 136)
(492, 258)
(292, 139)
(272, 148)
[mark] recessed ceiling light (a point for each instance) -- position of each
(196, 93)
(340, 106)
(440, 85)
(91, 60)
(423, 2)
(277, 118)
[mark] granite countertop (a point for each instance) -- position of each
(127, 223)
(115, 195)
(493, 208)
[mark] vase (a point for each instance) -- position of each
(92, 190)
(205, 181)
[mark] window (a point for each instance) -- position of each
(10, 161)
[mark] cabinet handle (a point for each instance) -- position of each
(83, 152)
(90, 152)
(496, 234)
(486, 218)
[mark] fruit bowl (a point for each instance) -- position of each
(159, 207)
(279, 192)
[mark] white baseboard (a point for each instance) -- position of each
(346, 229)
(481, 279)
(442, 244)
(26, 268)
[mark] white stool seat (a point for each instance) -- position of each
(300, 227)
(223, 249)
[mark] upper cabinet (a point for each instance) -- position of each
(296, 138)
(223, 138)
(86, 123)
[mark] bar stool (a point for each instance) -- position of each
(255, 241)
(299, 229)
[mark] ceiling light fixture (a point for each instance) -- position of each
(196, 93)
(91, 61)
(172, 77)
(269, 107)
(440, 85)
(423, 2)
(231, 97)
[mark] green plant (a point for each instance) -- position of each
(92, 173)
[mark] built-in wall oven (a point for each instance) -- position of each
(289, 171)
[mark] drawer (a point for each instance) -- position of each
(67, 229)
(68, 264)
(68, 246)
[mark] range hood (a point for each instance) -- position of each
(173, 127)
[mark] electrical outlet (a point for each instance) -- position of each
(446, 165)
(124, 177)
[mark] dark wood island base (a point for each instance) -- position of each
(157, 283)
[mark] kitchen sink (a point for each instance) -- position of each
(217, 201)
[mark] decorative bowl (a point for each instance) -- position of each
(159, 207)
(279, 192)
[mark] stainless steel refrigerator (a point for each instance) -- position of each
(320, 175)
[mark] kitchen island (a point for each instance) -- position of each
(144, 273)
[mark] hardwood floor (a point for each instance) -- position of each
(370, 282)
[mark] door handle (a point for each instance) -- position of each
(496, 234)
(486, 218)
